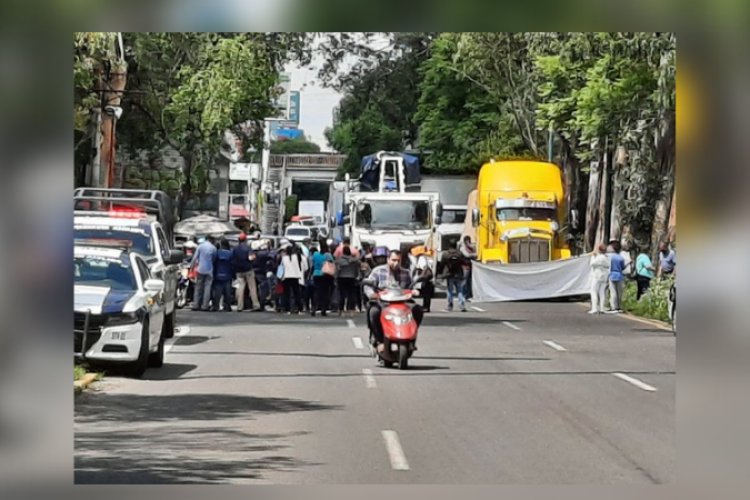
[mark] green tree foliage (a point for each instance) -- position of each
(294, 146)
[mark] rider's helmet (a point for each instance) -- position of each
(380, 255)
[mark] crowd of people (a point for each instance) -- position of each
(321, 278)
(612, 265)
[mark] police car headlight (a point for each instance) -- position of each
(122, 319)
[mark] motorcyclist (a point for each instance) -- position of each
(384, 276)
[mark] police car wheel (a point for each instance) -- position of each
(138, 367)
(156, 359)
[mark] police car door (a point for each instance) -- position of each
(154, 306)
(166, 271)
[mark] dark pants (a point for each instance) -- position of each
(467, 284)
(291, 287)
(323, 290)
(373, 319)
(265, 286)
(222, 289)
(643, 284)
(427, 292)
(347, 294)
(203, 284)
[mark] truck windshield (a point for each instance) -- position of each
(453, 216)
(526, 214)
(298, 231)
(393, 214)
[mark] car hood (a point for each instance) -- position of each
(100, 299)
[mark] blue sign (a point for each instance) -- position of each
(290, 133)
(294, 101)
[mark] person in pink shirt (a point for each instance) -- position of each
(340, 249)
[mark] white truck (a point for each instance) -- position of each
(394, 214)
(317, 210)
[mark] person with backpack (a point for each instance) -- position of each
(453, 269)
(347, 275)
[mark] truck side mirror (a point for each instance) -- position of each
(574, 219)
(439, 211)
(475, 217)
(438, 220)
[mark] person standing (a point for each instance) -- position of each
(666, 260)
(469, 252)
(616, 280)
(294, 267)
(223, 277)
(346, 242)
(347, 275)
(453, 268)
(242, 265)
(644, 272)
(423, 277)
(264, 271)
(204, 257)
(599, 279)
(323, 274)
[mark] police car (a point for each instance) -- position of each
(146, 237)
(119, 308)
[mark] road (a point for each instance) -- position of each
(532, 392)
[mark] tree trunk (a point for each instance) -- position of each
(592, 207)
(602, 230)
(618, 196)
(666, 157)
(672, 228)
(186, 189)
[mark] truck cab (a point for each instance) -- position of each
(519, 211)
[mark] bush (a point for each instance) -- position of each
(653, 303)
(78, 372)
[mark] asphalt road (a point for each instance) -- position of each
(511, 393)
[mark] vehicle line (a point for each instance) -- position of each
(511, 325)
(478, 309)
(351, 323)
(358, 343)
(638, 383)
(554, 345)
(395, 452)
(369, 379)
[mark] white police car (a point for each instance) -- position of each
(119, 308)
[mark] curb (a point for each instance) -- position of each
(653, 322)
(85, 381)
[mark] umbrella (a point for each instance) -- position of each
(202, 225)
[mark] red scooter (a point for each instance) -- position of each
(399, 327)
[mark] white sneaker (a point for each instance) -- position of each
(593, 311)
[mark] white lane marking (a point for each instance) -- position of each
(358, 343)
(554, 345)
(395, 453)
(510, 325)
(478, 309)
(635, 382)
(351, 323)
(369, 379)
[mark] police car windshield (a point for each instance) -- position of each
(101, 271)
(140, 240)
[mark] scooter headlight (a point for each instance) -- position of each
(399, 319)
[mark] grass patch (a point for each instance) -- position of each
(78, 372)
(653, 303)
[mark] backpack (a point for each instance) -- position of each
(455, 265)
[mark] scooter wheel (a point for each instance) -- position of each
(403, 357)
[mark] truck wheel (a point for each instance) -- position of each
(137, 368)
(156, 359)
(403, 357)
(167, 330)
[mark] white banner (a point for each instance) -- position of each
(536, 280)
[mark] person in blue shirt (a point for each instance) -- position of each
(204, 255)
(666, 260)
(223, 276)
(616, 278)
(323, 282)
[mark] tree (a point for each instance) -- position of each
(294, 146)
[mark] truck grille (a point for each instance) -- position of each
(529, 250)
(89, 324)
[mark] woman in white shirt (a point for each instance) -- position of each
(295, 267)
(599, 279)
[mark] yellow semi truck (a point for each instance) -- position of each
(517, 211)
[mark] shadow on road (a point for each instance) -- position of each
(363, 355)
(463, 320)
(180, 438)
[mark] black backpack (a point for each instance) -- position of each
(455, 265)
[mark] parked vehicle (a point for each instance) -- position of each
(119, 308)
(146, 237)
(519, 206)
(449, 230)
(299, 233)
(399, 326)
